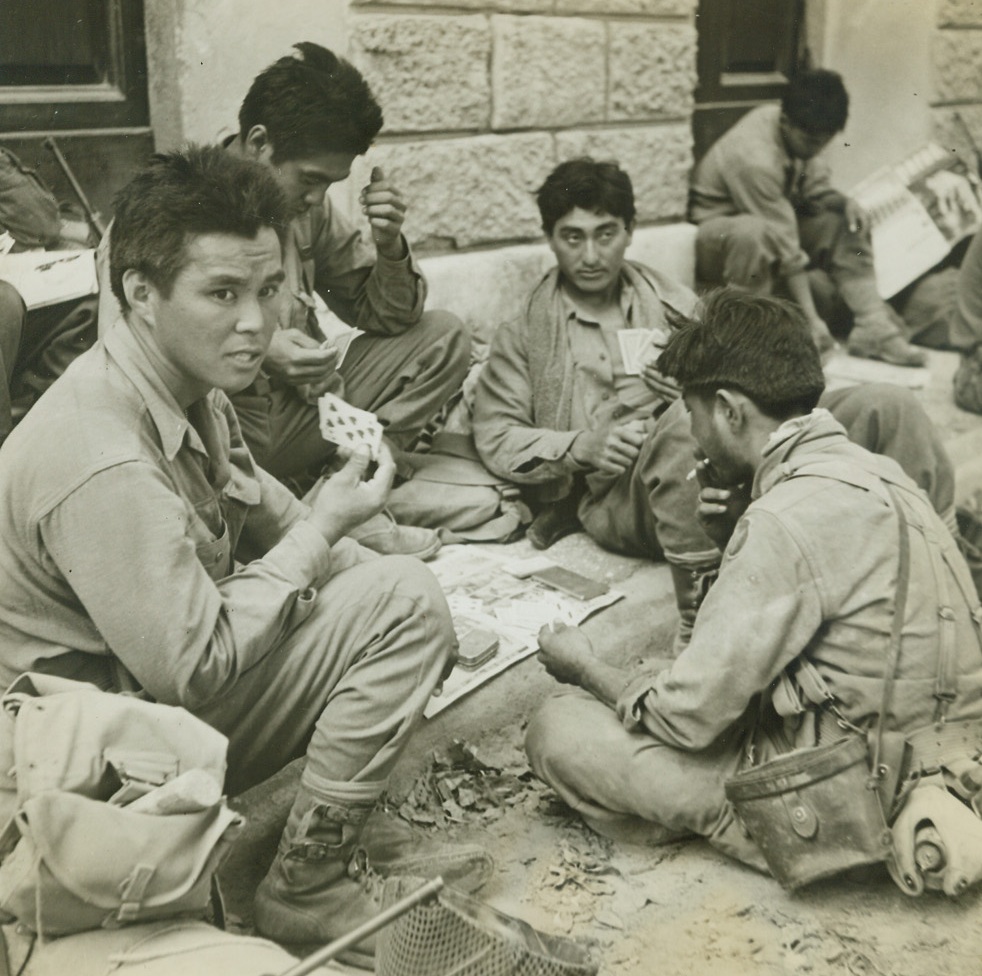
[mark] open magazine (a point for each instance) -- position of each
(48, 277)
(920, 209)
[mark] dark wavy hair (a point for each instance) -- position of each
(587, 184)
(757, 345)
(196, 190)
(310, 103)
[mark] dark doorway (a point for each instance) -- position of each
(747, 51)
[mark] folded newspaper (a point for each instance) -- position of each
(919, 210)
(48, 277)
(484, 592)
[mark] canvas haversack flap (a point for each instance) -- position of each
(120, 816)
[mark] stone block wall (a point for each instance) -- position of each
(482, 98)
(957, 68)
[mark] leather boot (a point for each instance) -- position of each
(315, 890)
(691, 586)
(393, 847)
(554, 522)
(872, 342)
(383, 535)
(877, 332)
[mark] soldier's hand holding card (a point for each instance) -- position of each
(348, 427)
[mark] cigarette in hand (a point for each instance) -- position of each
(700, 466)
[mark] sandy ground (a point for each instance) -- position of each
(680, 909)
(684, 910)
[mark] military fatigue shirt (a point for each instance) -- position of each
(810, 573)
(134, 531)
(748, 171)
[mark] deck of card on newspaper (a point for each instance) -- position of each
(348, 427)
(640, 347)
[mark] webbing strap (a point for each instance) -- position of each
(964, 580)
(946, 677)
(134, 890)
(896, 627)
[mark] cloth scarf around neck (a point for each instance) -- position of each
(550, 365)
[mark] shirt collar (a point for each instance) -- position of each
(169, 419)
(572, 310)
(776, 463)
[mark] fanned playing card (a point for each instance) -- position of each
(639, 347)
(336, 332)
(348, 427)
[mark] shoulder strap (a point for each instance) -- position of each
(896, 627)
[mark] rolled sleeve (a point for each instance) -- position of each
(374, 293)
(301, 557)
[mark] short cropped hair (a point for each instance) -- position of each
(179, 195)
(588, 184)
(310, 103)
(756, 345)
(817, 102)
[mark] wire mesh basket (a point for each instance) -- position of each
(455, 935)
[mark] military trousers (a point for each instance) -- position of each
(403, 379)
(742, 250)
(348, 685)
(627, 785)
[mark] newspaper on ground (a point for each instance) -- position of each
(483, 594)
(919, 210)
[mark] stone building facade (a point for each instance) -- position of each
(483, 97)
(956, 55)
(481, 105)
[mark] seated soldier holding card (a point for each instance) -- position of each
(571, 405)
(142, 548)
(308, 117)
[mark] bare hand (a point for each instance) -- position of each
(659, 383)
(385, 209)
(609, 449)
(719, 511)
(565, 652)
(346, 499)
(857, 219)
(299, 359)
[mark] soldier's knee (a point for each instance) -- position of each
(406, 577)
(750, 229)
(447, 329)
(12, 308)
(550, 739)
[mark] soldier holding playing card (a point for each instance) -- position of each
(142, 548)
(571, 405)
(308, 117)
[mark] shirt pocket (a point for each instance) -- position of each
(214, 553)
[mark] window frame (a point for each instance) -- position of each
(119, 102)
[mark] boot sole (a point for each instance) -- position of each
(878, 357)
(476, 870)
